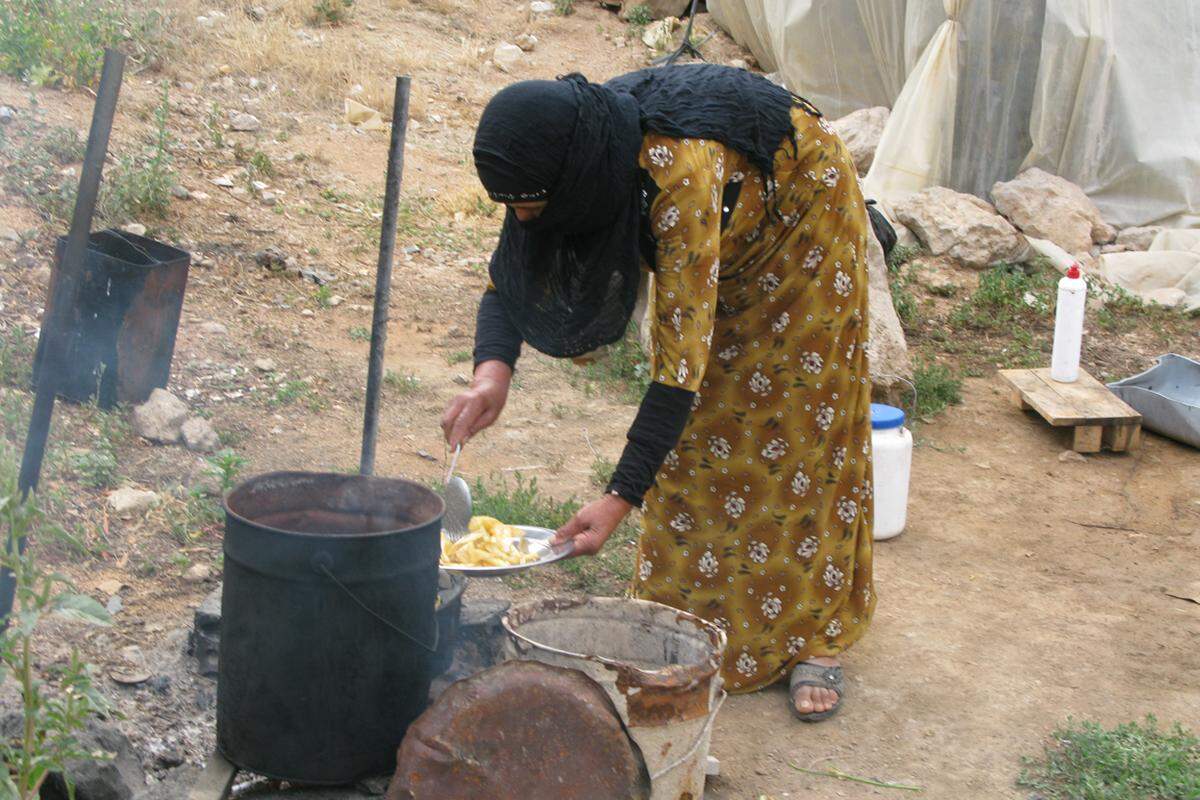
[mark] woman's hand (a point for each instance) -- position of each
(480, 405)
(591, 526)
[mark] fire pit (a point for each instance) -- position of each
(328, 627)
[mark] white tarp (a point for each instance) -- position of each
(1101, 92)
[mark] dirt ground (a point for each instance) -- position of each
(1026, 589)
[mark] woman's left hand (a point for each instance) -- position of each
(591, 526)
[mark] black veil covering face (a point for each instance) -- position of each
(568, 279)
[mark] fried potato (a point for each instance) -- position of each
(488, 543)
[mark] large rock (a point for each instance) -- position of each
(199, 436)
(860, 131)
(507, 57)
(118, 778)
(127, 501)
(1137, 238)
(659, 9)
(160, 418)
(888, 350)
(960, 226)
(1046, 206)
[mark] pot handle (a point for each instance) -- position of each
(321, 562)
(712, 715)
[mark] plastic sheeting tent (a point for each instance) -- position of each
(1101, 92)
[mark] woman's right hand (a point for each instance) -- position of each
(480, 405)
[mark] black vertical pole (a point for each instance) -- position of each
(383, 274)
(66, 290)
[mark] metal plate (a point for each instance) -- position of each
(537, 540)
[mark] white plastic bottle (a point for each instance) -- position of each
(1068, 326)
(891, 464)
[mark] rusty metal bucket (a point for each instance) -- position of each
(660, 666)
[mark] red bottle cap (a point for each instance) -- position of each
(1073, 272)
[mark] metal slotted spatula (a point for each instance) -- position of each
(458, 502)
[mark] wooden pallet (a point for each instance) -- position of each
(1097, 416)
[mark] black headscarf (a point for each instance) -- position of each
(569, 278)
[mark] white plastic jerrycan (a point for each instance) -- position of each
(892, 447)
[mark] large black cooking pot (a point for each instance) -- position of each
(328, 632)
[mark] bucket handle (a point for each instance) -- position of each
(712, 715)
(321, 562)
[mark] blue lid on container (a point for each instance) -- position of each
(884, 417)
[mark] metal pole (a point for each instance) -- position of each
(66, 290)
(383, 274)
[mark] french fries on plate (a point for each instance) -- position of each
(488, 543)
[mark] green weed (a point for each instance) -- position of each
(403, 385)
(214, 126)
(360, 334)
(225, 465)
(193, 516)
(622, 367)
(602, 471)
(640, 15)
(1007, 295)
(139, 186)
(564, 7)
(331, 12)
(901, 255)
(459, 357)
(1133, 761)
(16, 358)
(936, 388)
(61, 42)
(323, 295)
(292, 392)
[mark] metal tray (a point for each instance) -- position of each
(537, 540)
(1167, 396)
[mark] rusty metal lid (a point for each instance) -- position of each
(521, 730)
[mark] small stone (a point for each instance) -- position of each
(739, 63)
(6, 114)
(168, 758)
(9, 235)
(507, 57)
(180, 192)
(201, 196)
(336, 300)
(244, 122)
(197, 573)
(1071, 455)
(128, 501)
(269, 198)
(272, 258)
(264, 365)
(160, 417)
(137, 229)
(541, 7)
(25, 261)
(225, 182)
(114, 605)
(308, 312)
(199, 436)
(258, 186)
(462, 380)
(214, 329)
(526, 41)
(110, 586)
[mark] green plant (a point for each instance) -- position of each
(192, 516)
(520, 503)
(331, 12)
(640, 15)
(260, 166)
(936, 388)
(622, 366)
(225, 465)
(1085, 761)
(901, 255)
(564, 7)
(140, 186)
(214, 126)
(61, 42)
(360, 333)
(404, 385)
(1007, 294)
(54, 708)
(291, 392)
(323, 295)
(16, 357)
(459, 357)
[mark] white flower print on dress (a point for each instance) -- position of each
(737, 177)
(714, 272)
(839, 458)
(867, 488)
(825, 126)
(734, 505)
(769, 282)
(719, 446)
(708, 564)
(842, 284)
(795, 644)
(800, 483)
(661, 156)
(830, 177)
(729, 353)
(760, 384)
(850, 352)
(813, 363)
(808, 547)
(682, 522)
(746, 664)
(759, 552)
(775, 449)
(834, 628)
(847, 510)
(696, 401)
(814, 257)
(780, 325)
(825, 416)
(672, 460)
(771, 606)
(677, 322)
(644, 569)
(682, 373)
(722, 623)
(668, 219)
(719, 169)
(833, 576)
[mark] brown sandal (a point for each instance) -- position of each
(808, 674)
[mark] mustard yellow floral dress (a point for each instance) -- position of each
(760, 518)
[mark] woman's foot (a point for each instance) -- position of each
(815, 688)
